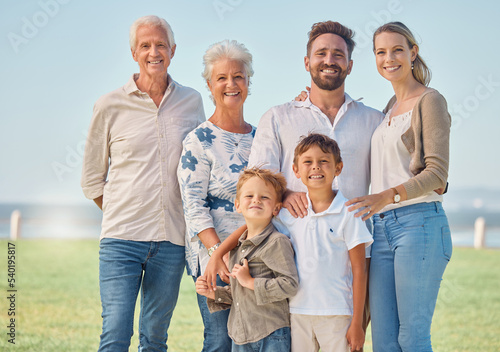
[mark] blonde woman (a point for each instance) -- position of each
(410, 155)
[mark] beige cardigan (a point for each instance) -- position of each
(428, 141)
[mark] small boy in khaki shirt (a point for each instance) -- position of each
(263, 271)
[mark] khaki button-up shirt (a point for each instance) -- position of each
(131, 157)
(256, 314)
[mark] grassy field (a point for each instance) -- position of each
(58, 308)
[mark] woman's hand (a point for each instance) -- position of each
(296, 203)
(242, 274)
(303, 95)
(371, 204)
(203, 289)
(216, 266)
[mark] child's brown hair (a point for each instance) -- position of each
(325, 143)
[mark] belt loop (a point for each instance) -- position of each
(437, 207)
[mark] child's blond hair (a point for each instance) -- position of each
(275, 179)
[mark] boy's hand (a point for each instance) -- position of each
(242, 274)
(355, 337)
(203, 289)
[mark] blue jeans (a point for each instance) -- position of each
(278, 341)
(125, 266)
(411, 248)
(215, 337)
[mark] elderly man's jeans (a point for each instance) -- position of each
(411, 248)
(125, 266)
(215, 337)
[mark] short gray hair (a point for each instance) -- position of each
(154, 21)
(226, 49)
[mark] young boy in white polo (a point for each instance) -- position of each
(329, 245)
(263, 271)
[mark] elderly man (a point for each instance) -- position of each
(129, 170)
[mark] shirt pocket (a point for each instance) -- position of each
(257, 267)
(177, 128)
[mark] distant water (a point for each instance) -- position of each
(53, 221)
(84, 221)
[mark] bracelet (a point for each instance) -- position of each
(212, 249)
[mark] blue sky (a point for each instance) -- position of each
(59, 56)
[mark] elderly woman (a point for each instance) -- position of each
(130, 171)
(410, 157)
(211, 161)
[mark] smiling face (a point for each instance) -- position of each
(328, 62)
(317, 169)
(152, 51)
(257, 200)
(228, 84)
(394, 56)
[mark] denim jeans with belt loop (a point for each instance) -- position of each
(125, 267)
(411, 248)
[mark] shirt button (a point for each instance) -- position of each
(220, 299)
(382, 216)
(242, 251)
(237, 304)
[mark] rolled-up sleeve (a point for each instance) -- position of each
(223, 299)
(280, 260)
(193, 173)
(96, 156)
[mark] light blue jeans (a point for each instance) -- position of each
(411, 248)
(125, 267)
(278, 341)
(215, 337)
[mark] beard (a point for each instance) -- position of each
(328, 83)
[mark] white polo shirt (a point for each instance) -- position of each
(321, 243)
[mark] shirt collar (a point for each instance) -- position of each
(307, 103)
(131, 87)
(257, 240)
(334, 208)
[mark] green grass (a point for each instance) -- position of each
(58, 306)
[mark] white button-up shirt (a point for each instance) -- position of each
(131, 157)
(281, 128)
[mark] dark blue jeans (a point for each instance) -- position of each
(124, 268)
